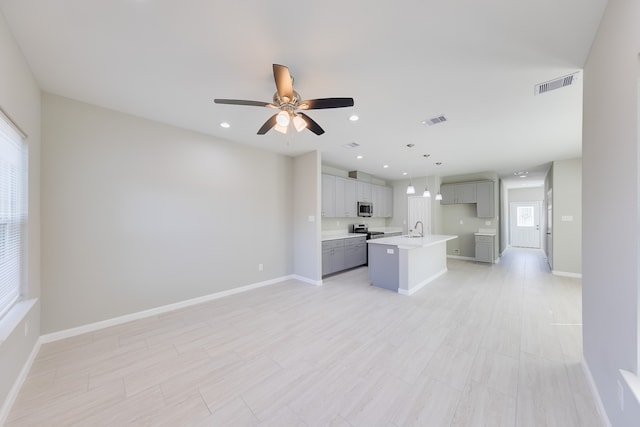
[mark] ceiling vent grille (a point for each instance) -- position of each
(555, 84)
(434, 120)
(351, 145)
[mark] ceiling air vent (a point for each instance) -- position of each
(351, 145)
(555, 84)
(434, 120)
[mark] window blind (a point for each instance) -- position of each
(12, 214)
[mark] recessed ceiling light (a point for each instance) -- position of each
(411, 145)
(225, 125)
(354, 118)
(385, 166)
(426, 155)
(404, 173)
(358, 157)
(438, 163)
(521, 174)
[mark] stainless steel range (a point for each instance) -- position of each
(364, 229)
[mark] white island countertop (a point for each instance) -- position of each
(404, 242)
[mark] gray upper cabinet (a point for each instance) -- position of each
(364, 191)
(464, 192)
(345, 198)
(328, 196)
(479, 192)
(340, 197)
(486, 200)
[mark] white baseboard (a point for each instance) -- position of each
(306, 280)
(566, 274)
(422, 284)
(92, 327)
(17, 385)
(466, 258)
(594, 392)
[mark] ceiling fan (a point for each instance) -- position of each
(288, 101)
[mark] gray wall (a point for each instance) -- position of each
(307, 244)
(610, 195)
(531, 194)
(567, 202)
(451, 215)
(20, 99)
(138, 214)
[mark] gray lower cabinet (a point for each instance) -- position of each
(355, 252)
(342, 254)
(485, 248)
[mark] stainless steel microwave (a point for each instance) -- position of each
(365, 209)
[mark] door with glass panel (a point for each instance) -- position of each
(524, 219)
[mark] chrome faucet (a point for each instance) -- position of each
(421, 228)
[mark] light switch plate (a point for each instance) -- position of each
(567, 218)
(390, 251)
(312, 218)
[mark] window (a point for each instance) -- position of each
(13, 213)
(525, 216)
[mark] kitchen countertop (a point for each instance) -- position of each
(403, 242)
(338, 236)
(486, 232)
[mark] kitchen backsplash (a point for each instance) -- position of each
(342, 224)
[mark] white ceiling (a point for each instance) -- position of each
(476, 62)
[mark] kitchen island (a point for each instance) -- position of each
(406, 264)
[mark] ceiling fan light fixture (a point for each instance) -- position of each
(282, 119)
(279, 128)
(299, 123)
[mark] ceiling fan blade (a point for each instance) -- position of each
(311, 124)
(243, 102)
(318, 104)
(284, 84)
(266, 127)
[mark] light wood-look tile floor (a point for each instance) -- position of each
(484, 345)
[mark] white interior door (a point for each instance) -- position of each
(524, 219)
(420, 210)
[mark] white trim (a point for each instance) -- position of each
(594, 392)
(13, 124)
(566, 274)
(17, 385)
(466, 258)
(91, 327)
(306, 280)
(422, 284)
(14, 317)
(633, 383)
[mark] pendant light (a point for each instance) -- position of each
(411, 189)
(426, 192)
(439, 196)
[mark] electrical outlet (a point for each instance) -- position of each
(260, 267)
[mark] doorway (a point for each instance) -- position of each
(524, 222)
(420, 210)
